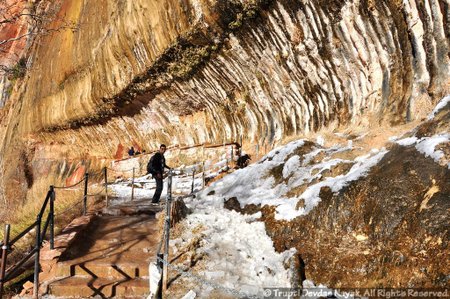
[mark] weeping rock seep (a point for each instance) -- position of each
(263, 70)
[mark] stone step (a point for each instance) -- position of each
(110, 270)
(132, 210)
(83, 287)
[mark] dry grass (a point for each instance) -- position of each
(68, 205)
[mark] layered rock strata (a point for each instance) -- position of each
(185, 72)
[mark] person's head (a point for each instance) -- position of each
(162, 148)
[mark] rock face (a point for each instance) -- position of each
(192, 71)
(384, 230)
(184, 72)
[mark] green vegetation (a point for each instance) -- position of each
(237, 23)
(187, 60)
(249, 10)
(18, 70)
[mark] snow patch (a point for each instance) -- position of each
(320, 141)
(229, 239)
(427, 146)
(291, 166)
(442, 103)
(407, 141)
(311, 195)
(257, 185)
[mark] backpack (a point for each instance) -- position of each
(150, 165)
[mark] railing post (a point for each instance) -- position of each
(132, 186)
(193, 181)
(167, 233)
(257, 150)
(85, 196)
(203, 175)
(4, 255)
(160, 264)
(36, 257)
(105, 171)
(231, 155)
(52, 217)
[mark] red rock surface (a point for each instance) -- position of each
(76, 176)
(119, 152)
(10, 51)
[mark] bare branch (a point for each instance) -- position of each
(36, 20)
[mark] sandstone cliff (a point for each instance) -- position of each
(193, 71)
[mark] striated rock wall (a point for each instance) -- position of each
(185, 72)
(193, 71)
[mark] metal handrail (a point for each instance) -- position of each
(71, 186)
(23, 233)
(6, 275)
(14, 268)
(41, 231)
(46, 224)
(44, 206)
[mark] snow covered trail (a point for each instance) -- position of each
(237, 252)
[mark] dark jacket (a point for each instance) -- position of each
(157, 164)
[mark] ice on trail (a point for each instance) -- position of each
(240, 254)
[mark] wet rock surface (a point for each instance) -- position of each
(388, 229)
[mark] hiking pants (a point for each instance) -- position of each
(158, 191)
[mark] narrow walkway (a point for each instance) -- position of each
(110, 258)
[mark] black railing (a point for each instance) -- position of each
(8, 274)
(40, 227)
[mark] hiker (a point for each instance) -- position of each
(131, 152)
(243, 161)
(156, 167)
(237, 151)
(241, 158)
